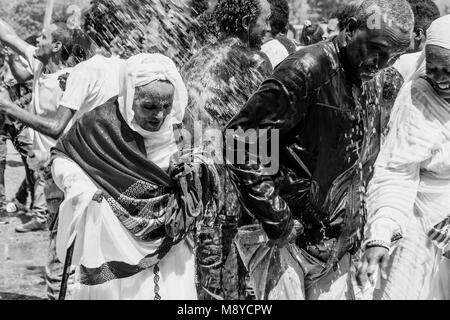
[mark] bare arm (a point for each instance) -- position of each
(49, 127)
(11, 39)
(20, 73)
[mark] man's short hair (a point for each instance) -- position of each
(64, 35)
(279, 17)
(398, 12)
(425, 12)
(230, 13)
(344, 14)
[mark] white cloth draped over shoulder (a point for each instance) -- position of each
(409, 193)
(412, 172)
(100, 236)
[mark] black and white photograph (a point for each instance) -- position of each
(233, 152)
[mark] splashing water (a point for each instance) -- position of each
(366, 137)
(135, 26)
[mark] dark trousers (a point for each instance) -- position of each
(3, 151)
(22, 143)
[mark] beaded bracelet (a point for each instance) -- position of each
(377, 243)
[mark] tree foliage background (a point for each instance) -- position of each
(151, 25)
(27, 16)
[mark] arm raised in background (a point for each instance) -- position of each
(50, 127)
(76, 89)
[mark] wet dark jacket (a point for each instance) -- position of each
(220, 78)
(310, 99)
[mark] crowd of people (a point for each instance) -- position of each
(151, 168)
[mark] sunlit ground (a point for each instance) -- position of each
(22, 256)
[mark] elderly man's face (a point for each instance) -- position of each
(152, 104)
(371, 50)
(438, 69)
(260, 26)
(45, 44)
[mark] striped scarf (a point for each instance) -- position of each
(150, 203)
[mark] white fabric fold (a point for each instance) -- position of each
(412, 172)
(276, 52)
(438, 33)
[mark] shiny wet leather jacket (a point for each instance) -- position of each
(310, 99)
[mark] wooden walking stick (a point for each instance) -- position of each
(66, 272)
(48, 13)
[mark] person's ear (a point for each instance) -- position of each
(419, 35)
(246, 22)
(351, 26)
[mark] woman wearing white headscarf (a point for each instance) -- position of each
(132, 198)
(409, 196)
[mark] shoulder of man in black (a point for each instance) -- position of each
(287, 43)
(309, 68)
(284, 98)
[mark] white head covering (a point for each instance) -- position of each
(438, 33)
(139, 71)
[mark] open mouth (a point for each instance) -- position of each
(443, 86)
(367, 74)
(154, 123)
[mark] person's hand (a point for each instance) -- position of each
(373, 258)
(9, 54)
(296, 231)
(37, 159)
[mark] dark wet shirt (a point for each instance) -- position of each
(323, 135)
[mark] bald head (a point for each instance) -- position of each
(378, 14)
(377, 35)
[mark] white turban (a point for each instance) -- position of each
(439, 32)
(141, 70)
